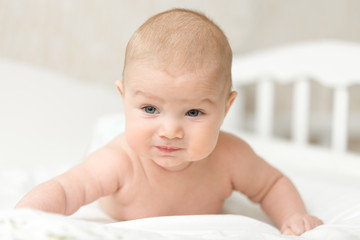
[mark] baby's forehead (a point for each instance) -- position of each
(183, 58)
(173, 69)
(209, 77)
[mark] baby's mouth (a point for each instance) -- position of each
(167, 149)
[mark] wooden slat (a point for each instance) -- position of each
(300, 111)
(264, 113)
(340, 119)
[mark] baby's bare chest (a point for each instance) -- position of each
(172, 195)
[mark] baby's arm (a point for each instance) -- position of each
(266, 185)
(97, 176)
(284, 206)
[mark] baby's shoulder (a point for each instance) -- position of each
(114, 154)
(229, 142)
(108, 167)
(232, 149)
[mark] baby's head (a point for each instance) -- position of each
(176, 88)
(179, 41)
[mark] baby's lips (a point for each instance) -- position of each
(167, 149)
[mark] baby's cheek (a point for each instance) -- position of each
(203, 144)
(136, 137)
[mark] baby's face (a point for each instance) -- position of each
(173, 120)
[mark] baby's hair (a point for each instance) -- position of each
(181, 39)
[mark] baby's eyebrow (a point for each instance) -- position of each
(148, 95)
(206, 100)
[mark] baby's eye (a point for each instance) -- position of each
(150, 110)
(194, 113)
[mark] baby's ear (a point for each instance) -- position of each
(120, 86)
(230, 100)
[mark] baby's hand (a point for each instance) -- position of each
(299, 223)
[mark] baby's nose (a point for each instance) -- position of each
(171, 129)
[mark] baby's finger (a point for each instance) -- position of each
(311, 222)
(287, 231)
(308, 224)
(297, 227)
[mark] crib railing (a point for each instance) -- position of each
(264, 112)
(322, 61)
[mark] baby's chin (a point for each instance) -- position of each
(174, 167)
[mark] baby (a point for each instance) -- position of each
(172, 158)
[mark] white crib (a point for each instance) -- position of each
(334, 64)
